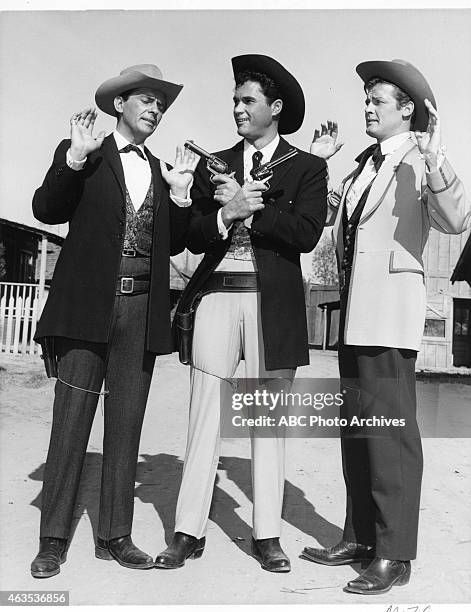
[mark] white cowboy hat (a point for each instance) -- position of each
(134, 77)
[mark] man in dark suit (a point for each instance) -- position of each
(255, 299)
(382, 216)
(108, 310)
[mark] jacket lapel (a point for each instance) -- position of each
(384, 179)
(110, 153)
(235, 160)
(157, 180)
(280, 171)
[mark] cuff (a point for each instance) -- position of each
(248, 222)
(181, 202)
(73, 163)
(441, 179)
(223, 230)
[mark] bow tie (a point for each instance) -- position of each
(373, 151)
(130, 147)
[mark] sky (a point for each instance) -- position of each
(51, 63)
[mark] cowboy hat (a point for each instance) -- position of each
(292, 114)
(406, 77)
(134, 77)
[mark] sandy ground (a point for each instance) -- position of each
(313, 514)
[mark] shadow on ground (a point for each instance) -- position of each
(158, 481)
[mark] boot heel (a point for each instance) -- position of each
(198, 553)
(404, 579)
(103, 553)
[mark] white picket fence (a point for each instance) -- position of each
(19, 312)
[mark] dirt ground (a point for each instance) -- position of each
(226, 573)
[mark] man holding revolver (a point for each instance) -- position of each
(108, 309)
(253, 300)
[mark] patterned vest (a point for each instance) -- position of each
(139, 225)
(241, 244)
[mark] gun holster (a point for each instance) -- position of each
(183, 324)
(49, 355)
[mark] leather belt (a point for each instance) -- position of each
(132, 253)
(232, 281)
(127, 285)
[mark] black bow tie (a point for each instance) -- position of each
(256, 159)
(377, 157)
(373, 151)
(135, 148)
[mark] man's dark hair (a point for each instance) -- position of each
(402, 98)
(271, 89)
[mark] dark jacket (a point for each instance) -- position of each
(92, 201)
(291, 223)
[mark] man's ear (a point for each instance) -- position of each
(408, 110)
(118, 104)
(276, 108)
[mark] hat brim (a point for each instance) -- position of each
(292, 114)
(406, 77)
(111, 88)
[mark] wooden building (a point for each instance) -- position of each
(447, 334)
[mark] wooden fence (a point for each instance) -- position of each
(20, 308)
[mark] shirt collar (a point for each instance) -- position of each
(393, 143)
(267, 151)
(121, 142)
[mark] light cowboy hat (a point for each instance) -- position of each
(406, 77)
(134, 77)
(292, 113)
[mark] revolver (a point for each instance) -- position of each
(265, 171)
(213, 163)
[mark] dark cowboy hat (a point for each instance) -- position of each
(292, 115)
(141, 75)
(406, 77)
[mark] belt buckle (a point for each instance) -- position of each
(228, 281)
(129, 253)
(127, 284)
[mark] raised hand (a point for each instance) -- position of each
(81, 134)
(324, 143)
(429, 142)
(181, 175)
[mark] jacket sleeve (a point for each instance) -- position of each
(448, 208)
(299, 227)
(179, 221)
(57, 198)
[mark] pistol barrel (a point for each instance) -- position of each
(189, 144)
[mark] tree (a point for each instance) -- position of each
(3, 263)
(324, 263)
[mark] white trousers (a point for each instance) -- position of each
(225, 325)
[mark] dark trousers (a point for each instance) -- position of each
(382, 466)
(126, 367)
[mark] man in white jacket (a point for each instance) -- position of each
(382, 215)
